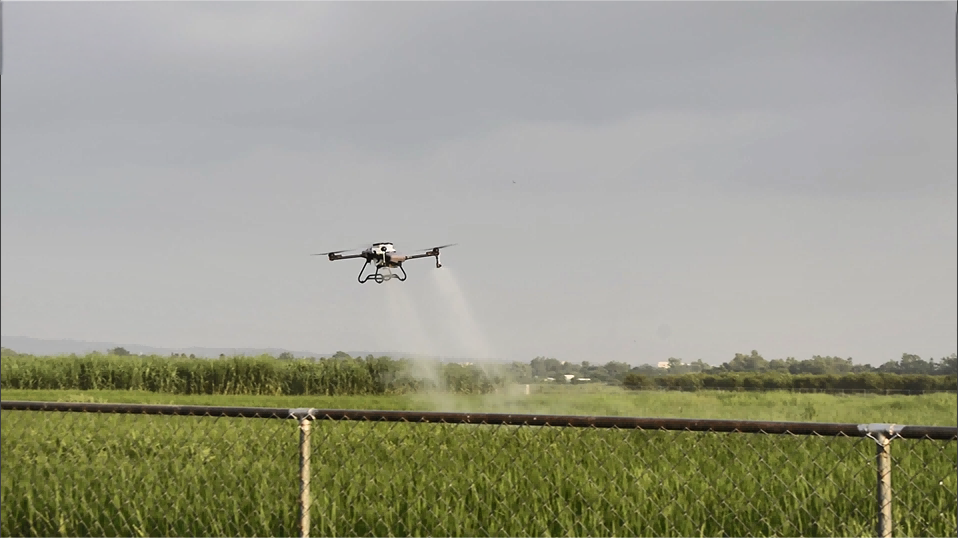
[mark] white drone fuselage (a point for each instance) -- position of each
(383, 255)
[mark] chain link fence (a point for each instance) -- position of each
(76, 469)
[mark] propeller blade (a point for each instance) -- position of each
(437, 248)
(356, 249)
(334, 252)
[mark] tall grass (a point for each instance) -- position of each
(938, 409)
(67, 474)
(123, 475)
(266, 375)
(233, 375)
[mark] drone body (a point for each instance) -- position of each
(385, 257)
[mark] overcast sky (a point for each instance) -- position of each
(625, 181)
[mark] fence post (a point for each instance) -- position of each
(304, 416)
(883, 434)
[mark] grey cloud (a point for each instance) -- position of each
(426, 72)
(769, 175)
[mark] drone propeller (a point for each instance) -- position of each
(356, 249)
(334, 252)
(437, 248)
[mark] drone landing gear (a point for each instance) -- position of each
(381, 277)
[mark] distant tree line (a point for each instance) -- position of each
(851, 382)
(541, 368)
(343, 374)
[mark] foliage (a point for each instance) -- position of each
(541, 368)
(592, 399)
(343, 374)
(913, 383)
(84, 474)
(236, 375)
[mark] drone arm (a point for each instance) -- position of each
(333, 256)
(423, 255)
(433, 252)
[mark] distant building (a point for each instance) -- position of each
(663, 364)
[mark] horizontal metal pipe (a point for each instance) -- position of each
(148, 409)
(941, 433)
(651, 423)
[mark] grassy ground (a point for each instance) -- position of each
(71, 474)
(930, 410)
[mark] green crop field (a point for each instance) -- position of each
(939, 409)
(116, 475)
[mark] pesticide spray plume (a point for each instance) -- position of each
(409, 332)
(450, 326)
(461, 324)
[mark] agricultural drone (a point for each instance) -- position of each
(385, 257)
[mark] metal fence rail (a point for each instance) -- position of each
(123, 469)
(799, 390)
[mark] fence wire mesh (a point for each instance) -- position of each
(924, 487)
(101, 474)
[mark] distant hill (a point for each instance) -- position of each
(39, 346)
